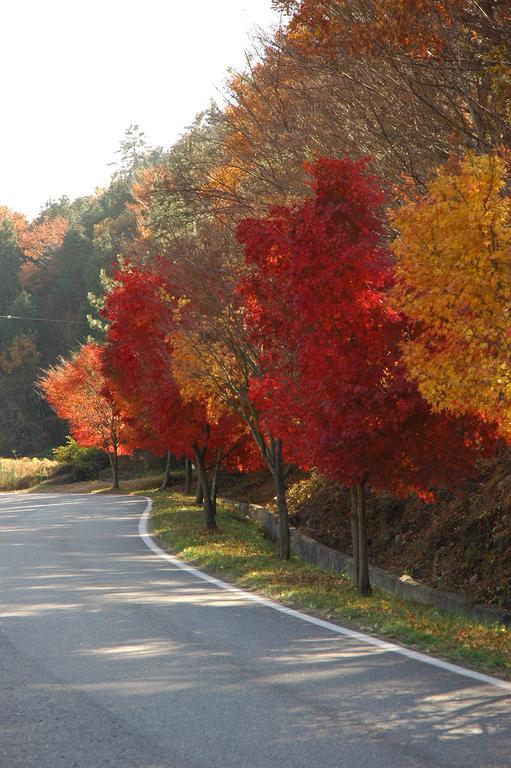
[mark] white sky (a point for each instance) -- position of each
(76, 73)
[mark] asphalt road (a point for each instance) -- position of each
(111, 657)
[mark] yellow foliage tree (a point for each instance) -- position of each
(206, 370)
(453, 255)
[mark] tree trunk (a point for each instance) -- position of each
(363, 584)
(354, 532)
(209, 506)
(214, 478)
(114, 466)
(199, 494)
(271, 451)
(166, 476)
(279, 475)
(188, 476)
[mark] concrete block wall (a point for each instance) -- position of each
(314, 552)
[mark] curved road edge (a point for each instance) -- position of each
(335, 628)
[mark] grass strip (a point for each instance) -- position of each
(240, 553)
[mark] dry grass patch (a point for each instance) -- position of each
(16, 474)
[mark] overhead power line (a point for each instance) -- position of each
(43, 319)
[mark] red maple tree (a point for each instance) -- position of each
(335, 388)
(138, 365)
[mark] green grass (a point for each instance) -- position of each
(239, 553)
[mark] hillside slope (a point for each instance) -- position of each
(461, 542)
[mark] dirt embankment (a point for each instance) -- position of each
(461, 542)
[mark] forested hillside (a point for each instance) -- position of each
(54, 272)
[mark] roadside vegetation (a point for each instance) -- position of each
(461, 542)
(80, 462)
(239, 553)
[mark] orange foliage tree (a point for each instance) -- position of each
(77, 391)
(449, 61)
(39, 241)
(21, 351)
(18, 220)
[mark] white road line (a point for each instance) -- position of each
(360, 636)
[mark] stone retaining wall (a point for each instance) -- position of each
(332, 560)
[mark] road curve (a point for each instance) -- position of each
(111, 657)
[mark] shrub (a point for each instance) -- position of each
(82, 463)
